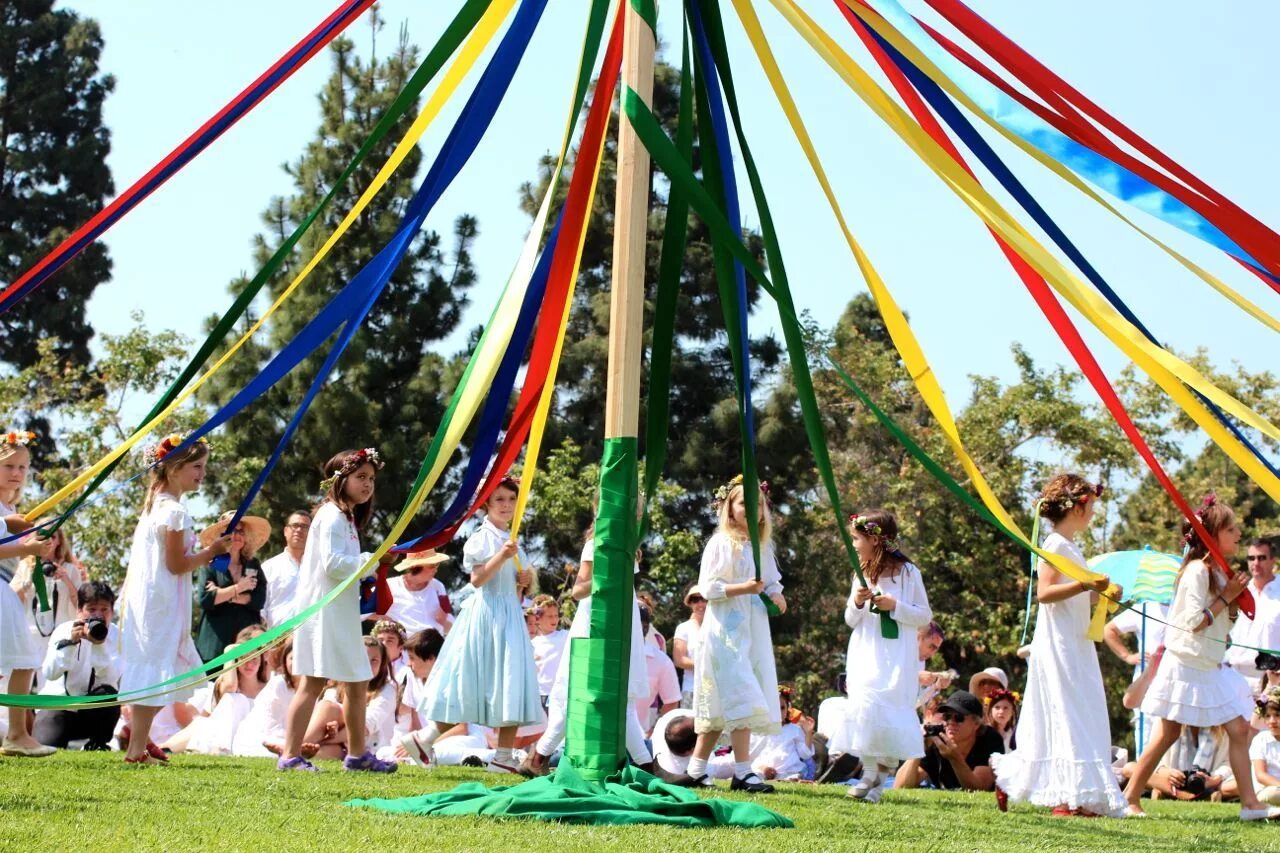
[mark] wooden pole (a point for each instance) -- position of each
(596, 730)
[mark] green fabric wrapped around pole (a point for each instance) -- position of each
(632, 797)
(595, 741)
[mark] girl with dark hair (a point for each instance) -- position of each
(155, 612)
(485, 673)
(329, 645)
(1063, 759)
(880, 723)
(1192, 687)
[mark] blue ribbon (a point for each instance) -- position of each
(955, 119)
(1110, 176)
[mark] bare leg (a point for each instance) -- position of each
(353, 713)
(506, 737)
(19, 726)
(325, 722)
(706, 743)
(741, 740)
(300, 708)
(1239, 734)
(140, 729)
(1167, 731)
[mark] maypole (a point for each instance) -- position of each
(598, 680)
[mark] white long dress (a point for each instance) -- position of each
(266, 721)
(18, 649)
(1064, 739)
(155, 618)
(736, 684)
(485, 672)
(329, 644)
(880, 724)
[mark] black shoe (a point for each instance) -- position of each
(472, 761)
(845, 767)
(751, 784)
(684, 780)
(96, 746)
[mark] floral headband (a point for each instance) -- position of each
(364, 456)
(1071, 501)
(1001, 694)
(156, 453)
(1271, 697)
(1209, 500)
(862, 524)
(722, 492)
(17, 439)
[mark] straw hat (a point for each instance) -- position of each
(693, 590)
(257, 531)
(429, 557)
(991, 673)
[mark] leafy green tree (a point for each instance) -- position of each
(53, 172)
(389, 389)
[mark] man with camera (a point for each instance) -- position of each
(82, 661)
(957, 751)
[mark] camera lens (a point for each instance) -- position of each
(48, 569)
(97, 628)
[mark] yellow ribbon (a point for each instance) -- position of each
(1108, 603)
(471, 51)
(1167, 370)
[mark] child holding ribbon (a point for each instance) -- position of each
(1063, 757)
(880, 722)
(155, 620)
(485, 672)
(736, 685)
(329, 645)
(1191, 686)
(19, 652)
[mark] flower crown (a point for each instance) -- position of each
(156, 453)
(18, 439)
(721, 494)
(864, 525)
(1209, 500)
(999, 694)
(363, 456)
(1271, 697)
(1071, 500)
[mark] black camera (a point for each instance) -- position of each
(934, 729)
(1196, 780)
(96, 628)
(1266, 662)
(48, 569)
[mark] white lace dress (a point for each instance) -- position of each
(1064, 738)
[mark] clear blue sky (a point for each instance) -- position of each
(1198, 79)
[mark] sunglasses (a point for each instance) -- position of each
(416, 570)
(1257, 558)
(949, 717)
(697, 599)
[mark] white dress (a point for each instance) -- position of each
(736, 685)
(18, 649)
(329, 644)
(266, 720)
(485, 672)
(880, 724)
(1192, 685)
(216, 733)
(1064, 739)
(155, 614)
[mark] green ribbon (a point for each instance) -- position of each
(461, 26)
(648, 12)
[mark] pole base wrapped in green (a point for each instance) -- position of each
(631, 797)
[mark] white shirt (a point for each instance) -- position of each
(1262, 631)
(691, 632)
(1266, 748)
(1151, 635)
(282, 586)
(419, 610)
(78, 662)
(662, 754)
(664, 685)
(547, 651)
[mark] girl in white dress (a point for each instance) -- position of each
(485, 673)
(155, 618)
(234, 695)
(329, 646)
(736, 685)
(1192, 686)
(19, 652)
(538, 761)
(266, 721)
(1063, 757)
(880, 722)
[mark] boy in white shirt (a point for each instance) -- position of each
(418, 600)
(81, 661)
(1264, 751)
(548, 643)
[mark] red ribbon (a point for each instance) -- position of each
(1047, 302)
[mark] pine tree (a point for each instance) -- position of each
(53, 171)
(389, 390)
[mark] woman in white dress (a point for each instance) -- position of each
(234, 694)
(1192, 686)
(19, 652)
(736, 685)
(880, 725)
(329, 645)
(266, 721)
(1063, 759)
(155, 618)
(485, 673)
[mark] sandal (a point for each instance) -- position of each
(368, 763)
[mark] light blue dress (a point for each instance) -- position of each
(485, 672)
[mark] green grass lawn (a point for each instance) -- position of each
(77, 800)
